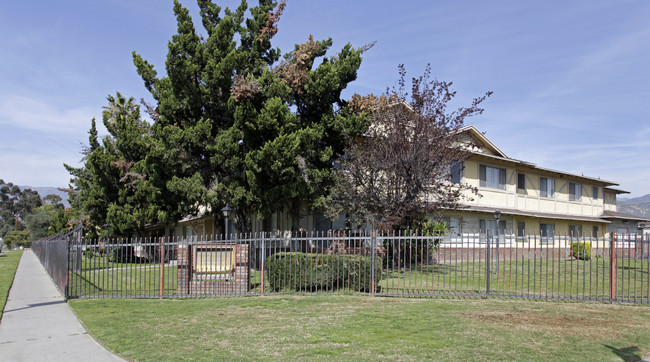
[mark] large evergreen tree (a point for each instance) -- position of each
(234, 122)
(238, 126)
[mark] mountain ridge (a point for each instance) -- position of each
(637, 206)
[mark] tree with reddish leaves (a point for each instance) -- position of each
(405, 168)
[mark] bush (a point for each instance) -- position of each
(311, 272)
(122, 254)
(89, 254)
(581, 250)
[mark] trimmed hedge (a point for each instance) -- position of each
(581, 250)
(311, 272)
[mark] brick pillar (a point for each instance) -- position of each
(242, 281)
(184, 270)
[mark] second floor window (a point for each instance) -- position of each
(456, 169)
(521, 181)
(492, 177)
(594, 191)
(546, 187)
(575, 192)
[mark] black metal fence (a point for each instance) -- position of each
(53, 252)
(610, 268)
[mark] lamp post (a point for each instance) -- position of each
(226, 213)
(497, 216)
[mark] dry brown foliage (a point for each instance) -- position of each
(371, 103)
(271, 27)
(244, 88)
(294, 71)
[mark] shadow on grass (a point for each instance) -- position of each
(89, 282)
(627, 354)
(428, 269)
(642, 269)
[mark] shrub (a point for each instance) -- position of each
(122, 254)
(89, 254)
(311, 272)
(581, 250)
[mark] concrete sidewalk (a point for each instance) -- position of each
(38, 325)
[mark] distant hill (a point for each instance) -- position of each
(44, 191)
(639, 206)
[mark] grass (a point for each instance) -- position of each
(141, 280)
(536, 278)
(563, 279)
(330, 327)
(100, 262)
(8, 264)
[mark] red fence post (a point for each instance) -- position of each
(612, 266)
(373, 261)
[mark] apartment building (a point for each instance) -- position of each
(532, 200)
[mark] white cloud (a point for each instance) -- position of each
(37, 115)
(38, 165)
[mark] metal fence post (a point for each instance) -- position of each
(162, 266)
(373, 263)
(487, 263)
(262, 260)
(612, 267)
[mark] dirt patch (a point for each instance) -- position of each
(583, 320)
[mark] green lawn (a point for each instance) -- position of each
(529, 278)
(142, 280)
(329, 327)
(100, 262)
(8, 264)
(563, 279)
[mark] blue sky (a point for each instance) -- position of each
(570, 79)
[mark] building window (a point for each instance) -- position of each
(492, 177)
(521, 230)
(594, 191)
(489, 227)
(521, 181)
(575, 230)
(546, 187)
(575, 192)
(594, 231)
(454, 225)
(456, 171)
(546, 231)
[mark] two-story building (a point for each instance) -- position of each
(532, 200)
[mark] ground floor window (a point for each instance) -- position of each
(575, 231)
(521, 230)
(489, 229)
(454, 225)
(547, 232)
